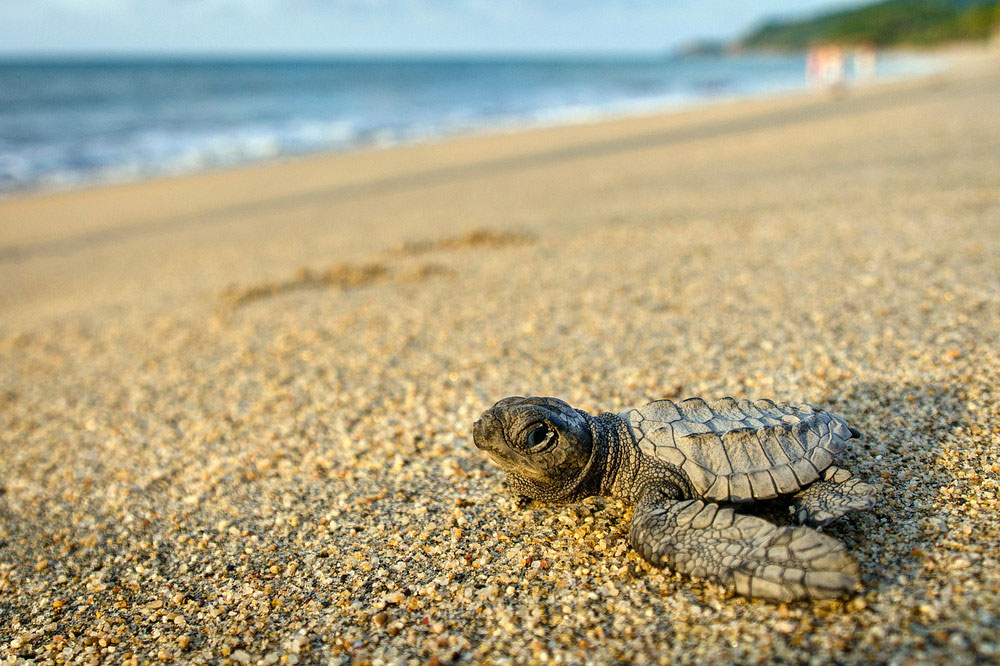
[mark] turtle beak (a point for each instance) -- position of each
(484, 435)
(481, 430)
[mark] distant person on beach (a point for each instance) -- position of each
(825, 67)
(864, 60)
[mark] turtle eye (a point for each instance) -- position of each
(537, 437)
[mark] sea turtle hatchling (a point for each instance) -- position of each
(683, 464)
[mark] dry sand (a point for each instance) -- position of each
(235, 408)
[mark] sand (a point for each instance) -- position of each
(236, 408)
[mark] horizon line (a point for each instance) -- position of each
(224, 54)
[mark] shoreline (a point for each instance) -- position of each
(610, 111)
(952, 59)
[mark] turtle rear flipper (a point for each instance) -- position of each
(747, 554)
(838, 494)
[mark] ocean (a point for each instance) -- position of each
(75, 122)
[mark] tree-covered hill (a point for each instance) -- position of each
(891, 23)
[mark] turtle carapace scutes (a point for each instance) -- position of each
(685, 465)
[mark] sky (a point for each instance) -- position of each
(381, 26)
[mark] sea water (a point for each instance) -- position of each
(72, 122)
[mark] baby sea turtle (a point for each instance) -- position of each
(683, 464)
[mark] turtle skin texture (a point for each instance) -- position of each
(687, 466)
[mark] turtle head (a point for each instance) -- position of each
(544, 446)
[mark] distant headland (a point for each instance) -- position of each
(894, 23)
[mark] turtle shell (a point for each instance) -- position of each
(740, 451)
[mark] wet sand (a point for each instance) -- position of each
(236, 407)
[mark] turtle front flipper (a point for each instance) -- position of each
(751, 556)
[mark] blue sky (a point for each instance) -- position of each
(380, 26)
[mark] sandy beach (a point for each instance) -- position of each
(236, 407)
